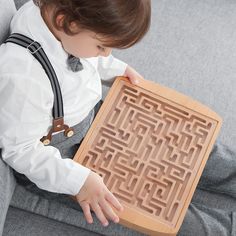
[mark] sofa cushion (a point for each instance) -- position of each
(62, 208)
(191, 48)
(7, 186)
(19, 3)
(34, 224)
(7, 181)
(7, 10)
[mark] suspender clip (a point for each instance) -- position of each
(58, 125)
(31, 49)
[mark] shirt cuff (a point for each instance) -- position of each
(119, 67)
(76, 178)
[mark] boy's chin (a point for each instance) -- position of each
(90, 56)
(86, 56)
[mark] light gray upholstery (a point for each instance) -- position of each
(19, 3)
(35, 225)
(7, 9)
(7, 181)
(7, 186)
(191, 48)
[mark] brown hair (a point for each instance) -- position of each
(121, 23)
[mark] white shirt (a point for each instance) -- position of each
(26, 101)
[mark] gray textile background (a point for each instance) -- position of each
(7, 9)
(7, 181)
(191, 47)
(35, 225)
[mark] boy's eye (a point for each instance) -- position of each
(101, 48)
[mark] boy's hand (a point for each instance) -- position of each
(94, 195)
(132, 75)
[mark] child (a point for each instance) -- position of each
(84, 29)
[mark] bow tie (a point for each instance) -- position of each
(74, 63)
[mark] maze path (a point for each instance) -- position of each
(148, 149)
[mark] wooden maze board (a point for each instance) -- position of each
(150, 145)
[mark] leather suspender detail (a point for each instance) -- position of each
(58, 113)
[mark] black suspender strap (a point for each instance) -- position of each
(37, 51)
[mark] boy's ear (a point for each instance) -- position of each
(60, 20)
(74, 27)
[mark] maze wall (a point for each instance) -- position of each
(148, 151)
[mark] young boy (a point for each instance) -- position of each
(84, 29)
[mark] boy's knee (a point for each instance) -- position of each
(204, 221)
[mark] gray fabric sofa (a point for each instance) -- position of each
(191, 47)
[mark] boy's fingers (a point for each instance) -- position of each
(98, 211)
(108, 210)
(133, 80)
(113, 200)
(86, 209)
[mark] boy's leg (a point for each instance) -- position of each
(7, 186)
(219, 174)
(206, 216)
(203, 221)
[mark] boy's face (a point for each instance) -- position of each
(85, 44)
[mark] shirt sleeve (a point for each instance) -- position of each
(110, 67)
(22, 123)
